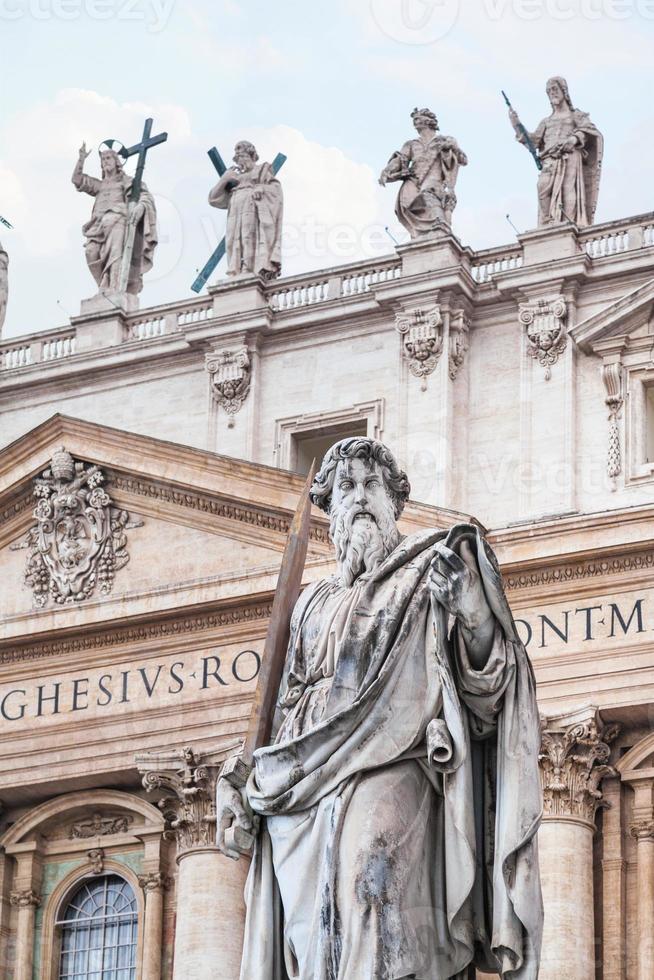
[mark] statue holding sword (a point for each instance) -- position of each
(567, 149)
(388, 783)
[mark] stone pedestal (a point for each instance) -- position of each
(210, 905)
(575, 750)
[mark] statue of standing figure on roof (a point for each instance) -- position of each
(570, 148)
(107, 231)
(4, 285)
(254, 201)
(428, 167)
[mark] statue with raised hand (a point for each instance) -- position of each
(108, 230)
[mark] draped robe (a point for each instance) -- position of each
(401, 797)
(255, 204)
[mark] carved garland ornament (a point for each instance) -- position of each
(544, 322)
(99, 826)
(459, 327)
(573, 763)
(421, 331)
(230, 373)
(612, 378)
(79, 539)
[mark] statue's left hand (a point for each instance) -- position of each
(136, 213)
(456, 584)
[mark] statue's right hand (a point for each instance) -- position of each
(513, 116)
(382, 179)
(83, 152)
(232, 812)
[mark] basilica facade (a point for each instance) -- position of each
(515, 386)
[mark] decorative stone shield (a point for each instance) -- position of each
(79, 538)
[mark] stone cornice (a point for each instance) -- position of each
(141, 631)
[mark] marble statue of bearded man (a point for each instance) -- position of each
(398, 804)
(254, 201)
(570, 147)
(106, 232)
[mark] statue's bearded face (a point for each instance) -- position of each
(363, 526)
(108, 163)
(555, 94)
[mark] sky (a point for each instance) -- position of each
(330, 83)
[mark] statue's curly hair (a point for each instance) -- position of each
(425, 114)
(359, 447)
(248, 147)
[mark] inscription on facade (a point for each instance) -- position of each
(155, 682)
(607, 621)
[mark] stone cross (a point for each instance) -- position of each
(218, 253)
(147, 142)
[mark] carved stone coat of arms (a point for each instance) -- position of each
(78, 542)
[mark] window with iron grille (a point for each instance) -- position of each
(99, 931)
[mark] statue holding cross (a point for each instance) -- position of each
(121, 236)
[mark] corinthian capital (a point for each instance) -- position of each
(573, 761)
(188, 787)
(25, 898)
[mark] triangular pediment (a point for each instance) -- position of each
(626, 317)
(194, 530)
(196, 526)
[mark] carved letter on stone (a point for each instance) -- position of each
(459, 327)
(230, 379)
(574, 760)
(612, 378)
(79, 539)
(421, 331)
(546, 333)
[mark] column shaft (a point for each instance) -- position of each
(153, 933)
(566, 861)
(645, 879)
(25, 942)
(210, 915)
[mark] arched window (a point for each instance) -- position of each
(99, 931)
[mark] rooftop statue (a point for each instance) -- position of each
(4, 285)
(397, 807)
(569, 147)
(254, 201)
(114, 217)
(428, 167)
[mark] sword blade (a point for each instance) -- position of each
(274, 652)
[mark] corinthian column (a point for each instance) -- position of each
(27, 902)
(574, 754)
(642, 829)
(210, 905)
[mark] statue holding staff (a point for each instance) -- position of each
(428, 167)
(108, 231)
(570, 149)
(395, 811)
